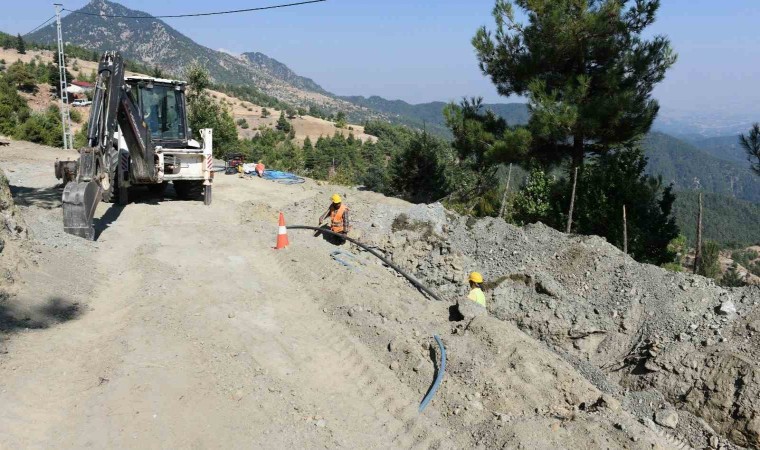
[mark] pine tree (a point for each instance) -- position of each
(20, 46)
(710, 265)
(420, 171)
(732, 278)
(751, 144)
(205, 113)
(19, 74)
(307, 145)
(282, 123)
(585, 67)
(340, 120)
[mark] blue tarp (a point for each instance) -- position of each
(282, 177)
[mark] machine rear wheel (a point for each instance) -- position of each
(207, 195)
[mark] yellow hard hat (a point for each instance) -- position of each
(336, 198)
(476, 277)
(259, 161)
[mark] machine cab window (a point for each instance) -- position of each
(161, 106)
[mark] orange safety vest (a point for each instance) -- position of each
(260, 168)
(336, 218)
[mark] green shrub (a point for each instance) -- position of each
(13, 108)
(75, 115)
(732, 278)
(80, 137)
(710, 264)
(673, 267)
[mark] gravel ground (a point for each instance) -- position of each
(181, 327)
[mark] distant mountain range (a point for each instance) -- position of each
(710, 161)
(723, 147)
(280, 71)
(430, 115)
(154, 43)
(694, 126)
(691, 168)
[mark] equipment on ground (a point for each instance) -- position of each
(138, 135)
(232, 162)
(66, 171)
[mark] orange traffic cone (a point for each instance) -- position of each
(282, 234)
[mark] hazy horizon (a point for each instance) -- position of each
(421, 52)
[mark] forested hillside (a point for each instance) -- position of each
(725, 220)
(723, 147)
(689, 167)
(430, 115)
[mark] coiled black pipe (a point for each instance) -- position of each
(411, 279)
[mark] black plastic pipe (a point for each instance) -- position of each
(438, 376)
(411, 279)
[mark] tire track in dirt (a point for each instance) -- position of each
(406, 426)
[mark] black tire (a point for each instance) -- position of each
(110, 195)
(207, 195)
(123, 194)
(158, 189)
(188, 189)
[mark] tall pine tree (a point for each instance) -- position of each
(584, 65)
(20, 45)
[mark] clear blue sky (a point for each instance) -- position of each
(419, 50)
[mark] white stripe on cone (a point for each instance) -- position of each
(282, 230)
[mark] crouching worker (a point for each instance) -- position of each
(476, 293)
(475, 303)
(260, 169)
(339, 223)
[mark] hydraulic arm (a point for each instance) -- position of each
(112, 105)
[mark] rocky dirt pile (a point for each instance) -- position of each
(12, 234)
(502, 389)
(662, 341)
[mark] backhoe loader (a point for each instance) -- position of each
(137, 135)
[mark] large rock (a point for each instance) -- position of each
(667, 418)
(727, 308)
(469, 309)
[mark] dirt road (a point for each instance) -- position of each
(181, 327)
(187, 333)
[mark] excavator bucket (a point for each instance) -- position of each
(80, 198)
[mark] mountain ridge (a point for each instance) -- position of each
(281, 71)
(153, 42)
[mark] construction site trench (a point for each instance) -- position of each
(180, 326)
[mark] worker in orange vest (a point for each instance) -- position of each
(338, 213)
(260, 169)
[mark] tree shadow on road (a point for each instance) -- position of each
(47, 197)
(16, 317)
